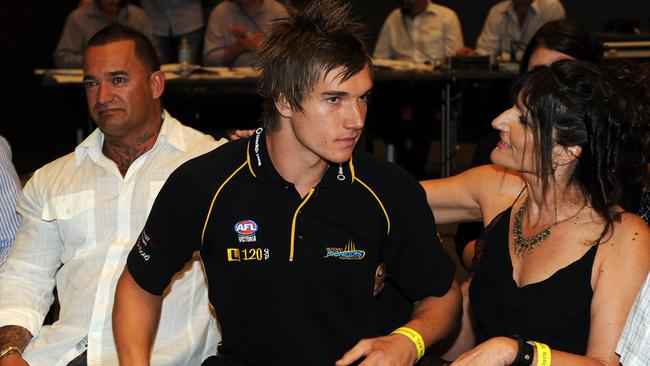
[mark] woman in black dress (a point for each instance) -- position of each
(561, 262)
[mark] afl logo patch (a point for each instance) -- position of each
(246, 227)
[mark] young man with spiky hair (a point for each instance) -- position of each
(293, 224)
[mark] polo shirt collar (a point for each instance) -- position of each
(260, 165)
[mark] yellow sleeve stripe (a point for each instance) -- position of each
(248, 158)
(207, 218)
(293, 224)
(378, 201)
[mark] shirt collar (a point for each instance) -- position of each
(122, 14)
(264, 8)
(171, 133)
(260, 165)
(534, 7)
(431, 8)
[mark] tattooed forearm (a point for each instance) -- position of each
(13, 334)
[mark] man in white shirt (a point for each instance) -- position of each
(420, 31)
(86, 20)
(236, 30)
(82, 213)
(510, 24)
(9, 190)
(633, 346)
(173, 20)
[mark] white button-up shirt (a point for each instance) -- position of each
(634, 345)
(431, 35)
(9, 190)
(502, 33)
(80, 220)
(173, 17)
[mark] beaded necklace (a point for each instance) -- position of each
(524, 245)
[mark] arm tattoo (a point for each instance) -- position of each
(16, 335)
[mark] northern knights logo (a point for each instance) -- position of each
(246, 230)
(349, 252)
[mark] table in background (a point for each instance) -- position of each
(212, 102)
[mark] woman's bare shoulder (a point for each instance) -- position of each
(497, 188)
(628, 247)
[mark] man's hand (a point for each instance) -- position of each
(17, 336)
(499, 351)
(233, 134)
(464, 51)
(238, 32)
(251, 42)
(13, 359)
(394, 349)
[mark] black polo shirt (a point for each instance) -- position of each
(291, 278)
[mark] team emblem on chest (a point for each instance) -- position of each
(349, 252)
(246, 230)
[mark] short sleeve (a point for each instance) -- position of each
(171, 235)
(415, 259)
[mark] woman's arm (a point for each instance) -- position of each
(476, 194)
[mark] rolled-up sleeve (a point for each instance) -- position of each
(69, 51)
(215, 40)
(27, 277)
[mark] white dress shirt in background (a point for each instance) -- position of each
(9, 190)
(431, 35)
(80, 220)
(634, 346)
(502, 33)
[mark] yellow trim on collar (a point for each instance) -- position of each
(293, 224)
(207, 218)
(378, 201)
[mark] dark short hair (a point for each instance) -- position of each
(564, 36)
(602, 108)
(144, 49)
(303, 48)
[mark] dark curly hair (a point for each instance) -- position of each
(303, 48)
(602, 108)
(564, 36)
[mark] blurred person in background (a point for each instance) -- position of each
(511, 24)
(172, 21)
(236, 30)
(86, 20)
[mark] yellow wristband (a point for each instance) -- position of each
(414, 336)
(543, 354)
(9, 348)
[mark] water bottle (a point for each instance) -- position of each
(184, 57)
